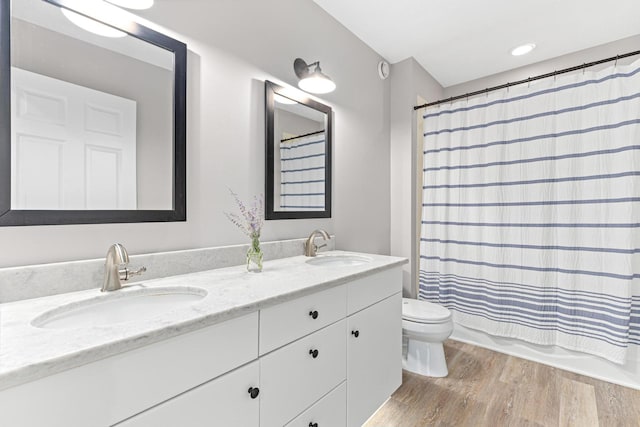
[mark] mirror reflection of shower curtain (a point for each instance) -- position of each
(530, 211)
(302, 168)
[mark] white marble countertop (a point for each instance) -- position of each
(28, 353)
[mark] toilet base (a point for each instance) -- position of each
(425, 358)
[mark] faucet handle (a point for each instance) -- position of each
(321, 246)
(130, 273)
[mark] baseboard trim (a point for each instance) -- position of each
(627, 375)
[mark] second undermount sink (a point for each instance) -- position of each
(339, 260)
(118, 307)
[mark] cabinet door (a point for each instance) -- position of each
(374, 358)
(225, 401)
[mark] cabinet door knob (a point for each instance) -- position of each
(355, 333)
(313, 353)
(313, 424)
(313, 314)
(254, 392)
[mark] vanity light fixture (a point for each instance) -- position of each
(132, 4)
(523, 49)
(92, 26)
(312, 81)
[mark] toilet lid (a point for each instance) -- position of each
(423, 311)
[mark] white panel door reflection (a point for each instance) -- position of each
(72, 147)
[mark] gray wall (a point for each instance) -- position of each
(409, 81)
(234, 46)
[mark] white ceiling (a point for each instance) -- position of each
(461, 40)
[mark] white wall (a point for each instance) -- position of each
(409, 81)
(234, 45)
(596, 53)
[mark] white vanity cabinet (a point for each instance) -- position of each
(326, 359)
(359, 356)
(113, 389)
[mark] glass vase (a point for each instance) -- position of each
(254, 255)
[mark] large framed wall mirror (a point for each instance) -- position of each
(298, 155)
(92, 123)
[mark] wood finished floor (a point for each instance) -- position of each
(486, 388)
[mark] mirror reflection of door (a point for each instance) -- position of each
(72, 147)
(92, 116)
(299, 181)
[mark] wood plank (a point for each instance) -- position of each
(577, 404)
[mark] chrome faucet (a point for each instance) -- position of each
(116, 268)
(310, 248)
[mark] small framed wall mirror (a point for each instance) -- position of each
(298, 155)
(92, 116)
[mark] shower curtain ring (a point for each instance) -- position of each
(615, 64)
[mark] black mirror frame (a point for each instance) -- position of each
(272, 89)
(9, 217)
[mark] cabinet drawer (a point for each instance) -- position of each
(224, 401)
(118, 387)
(330, 411)
(291, 379)
(286, 322)
(369, 290)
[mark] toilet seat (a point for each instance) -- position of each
(424, 312)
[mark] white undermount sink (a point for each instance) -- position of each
(119, 306)
(339, 260)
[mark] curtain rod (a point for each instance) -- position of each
(302, 136)
(530, 79)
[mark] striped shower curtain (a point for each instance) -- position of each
(530, 211)
(302, 181)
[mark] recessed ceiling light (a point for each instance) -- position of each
(523, 49)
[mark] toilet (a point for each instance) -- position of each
(425, 326)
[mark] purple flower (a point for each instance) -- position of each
(249, 221)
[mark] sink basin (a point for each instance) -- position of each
(119, 307)
(339, 260)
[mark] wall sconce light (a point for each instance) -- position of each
(312, 81)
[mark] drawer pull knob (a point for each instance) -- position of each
(313, 424)
(355, 333)
(313, 314)
(313, 353)
(254, 392)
